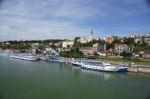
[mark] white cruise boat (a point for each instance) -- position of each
(99, 66)
(24, 57)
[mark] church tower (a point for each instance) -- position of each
(91, 35)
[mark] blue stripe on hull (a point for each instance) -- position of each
(123, 70)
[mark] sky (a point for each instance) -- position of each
(66, 19)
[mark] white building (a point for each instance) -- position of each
(88, 50)
(85, 40)
(35, 45)
(50, 50)
(121, 47)
(147, 39)
(66, 44)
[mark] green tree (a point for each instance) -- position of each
(109, 46)
(76, 42)
(73, 53)
(128, 41)
(125, 54)
(116, 41)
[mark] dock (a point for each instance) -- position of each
(142, 69)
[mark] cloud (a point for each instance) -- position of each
(26, 28)
(45, 19)
(41, 20)
(1, 2)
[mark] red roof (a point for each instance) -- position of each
(122, 45)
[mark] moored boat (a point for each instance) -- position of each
(55, 58)
(122, 68)
(24, 57)
(99, 66)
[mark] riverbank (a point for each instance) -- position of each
(139, 69)
(134, 65)
(139, 62)
(142, 65)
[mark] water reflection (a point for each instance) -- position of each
(137, 76)
(77, 71)
(148, 96)
(21, 61)
(102, 75)
(1, 97)
(105, 75)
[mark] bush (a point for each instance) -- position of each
(125, 54)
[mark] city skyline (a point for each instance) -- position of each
(62, 19)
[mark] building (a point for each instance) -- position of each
(108, 38)
(34, 50)
(85, 40)
(120, 48)
(67, 44)
(141, 38)
(88, 50)
(35, 45)
(63, 49)
(7, 43)
(138, 38)
(49, 50)
(147, 39)
(147, 54)
(98, 47)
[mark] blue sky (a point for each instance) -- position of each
(51, 19)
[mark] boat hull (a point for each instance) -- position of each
(104, 69)
(23, 58)
(53, 60)
(123, 69)
(77, 65)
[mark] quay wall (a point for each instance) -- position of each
(139, 69)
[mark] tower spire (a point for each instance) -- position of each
(92, 34)
(91, 31)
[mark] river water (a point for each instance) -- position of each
(21, 79)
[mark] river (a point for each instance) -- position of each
(21, 79)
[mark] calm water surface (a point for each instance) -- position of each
(42, 80)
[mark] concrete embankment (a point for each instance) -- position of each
(143, 69)
(135, 68)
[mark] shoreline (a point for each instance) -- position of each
(131, 67)
(139, 69)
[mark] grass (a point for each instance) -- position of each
(145, 62)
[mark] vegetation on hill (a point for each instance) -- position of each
(73, 53)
